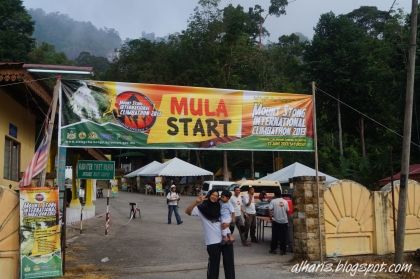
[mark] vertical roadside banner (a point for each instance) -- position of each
(95, 114)
(158, 183)
(40, 246)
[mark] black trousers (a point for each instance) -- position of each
(214, 251)
(279, 233)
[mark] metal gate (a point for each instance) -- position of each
(9, 234)
(349, 219)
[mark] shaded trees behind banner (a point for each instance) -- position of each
(358, 58)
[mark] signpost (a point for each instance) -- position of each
(90, 169)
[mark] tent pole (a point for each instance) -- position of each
(321, 254)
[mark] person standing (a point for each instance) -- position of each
(236, 201)
(207, 208)
(278, 212)
(173, 200)
(250, 215)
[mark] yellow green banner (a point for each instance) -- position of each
(129, 115)
(40, 246)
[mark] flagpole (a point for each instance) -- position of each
(51, 124)
(321, 254)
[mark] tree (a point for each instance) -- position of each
(276, 8)
(100, 64)
(16, 30)
(46, 54)
(353, 57)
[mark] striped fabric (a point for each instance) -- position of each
(37, 164)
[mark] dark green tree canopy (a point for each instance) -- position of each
(16, 29)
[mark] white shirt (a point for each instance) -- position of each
(171, 196)
(212, 231)
(237, 205)
(280, 208)
(251, 208)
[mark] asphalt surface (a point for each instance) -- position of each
(149, 248)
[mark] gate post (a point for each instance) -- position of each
(305, 218)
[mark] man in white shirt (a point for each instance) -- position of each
(250, 215)
(236, 201)
(278, 212)
(208, 210)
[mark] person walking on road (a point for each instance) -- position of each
(236, 201)
(278, 212)
(207, 208)
(250, 215)
(172, 199)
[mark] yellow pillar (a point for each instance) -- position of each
(89, 191)
(75, 202)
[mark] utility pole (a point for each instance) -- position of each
(225, 166)
(408, 115)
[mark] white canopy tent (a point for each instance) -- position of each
(173, 167)
(178, 167)
(294, 170)
(143, 171)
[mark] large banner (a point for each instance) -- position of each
(128, 115)
(40, 248)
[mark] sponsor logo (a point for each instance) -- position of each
(82, 135)
(39, 197)
(71, 135)
(135, 111)
(93, 135)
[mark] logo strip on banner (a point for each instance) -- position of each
(127, 115)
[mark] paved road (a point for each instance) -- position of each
(151, 249)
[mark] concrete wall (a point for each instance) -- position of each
(24, 120)
(352, 219)
(359, 221)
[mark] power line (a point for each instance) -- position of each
(364, 115)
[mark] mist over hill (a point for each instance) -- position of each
(73, 37)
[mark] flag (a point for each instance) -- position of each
(38, 162)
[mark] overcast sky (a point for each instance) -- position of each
(163, 17)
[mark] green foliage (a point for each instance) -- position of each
(16, 30)
(46, 54)
(100, 64)
(358, 57)
(73, 37)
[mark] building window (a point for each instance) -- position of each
(11, 159)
